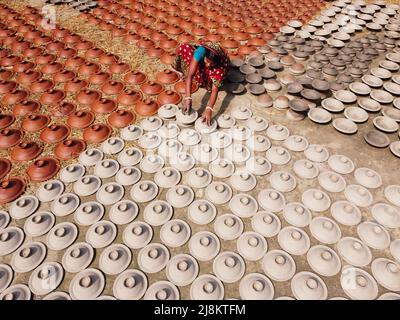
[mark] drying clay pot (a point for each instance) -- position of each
(137, 235)
(180, 196)
(341, 164)
(294, 240)
(354, 251)
(325, 230)
(183, 161)
(24, 207)
(282, 181)
(308, 286)
(296, 214)
(346, 213)
(207, 287)
(11, 240)
(242, 180)
(229, 267)
(150, 140)
(278, 265)
(89, 213)
(65, 204)
(278, 155)
(130, 157)
(386, 215)
(55, 133)
(152, 163)
(221, 168)
(296, 143)
(358, 195)
(374, 235)
(363, 286)
(87, 185)
(127, 176)
(199, 178)
(368, 178)
(49, 190)
(277, 132)
(69, 149)
(175, 233)
(110, 193)
(386, 272)
(272, 200)
(101, 234)
(331, 181)
(153, 258)
(323, 260)
(130, 285)
(46, 278)
(228, 227)
(167, 111)
(144, 191)
(305, 169)
(256, 286)
(87, 284)
(115, 259)
(106, 168)
(202, 212)
(316, 153)
(316, 200)
(112, 145)
(252, 246)
(61, 236)
(28, 257)
(392, 194)
(11, 189)
(43, 169)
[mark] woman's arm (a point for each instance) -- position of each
(207, 114)
(188, 90)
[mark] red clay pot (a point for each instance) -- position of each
(119, 68)
(55, 47)
(167, 58)
(5, 75)
(26, 151)
(9, 61)
(229, 43)
(246, 49)
(43, 169)
(224, 31)
(151, 88)
(5, 167)
(19, 46)
(80, 119)
(41, 85)
(180, 87)
(10, 137)
(52, 97)
(99, 78)
(51, 68)
(15, 96)
(87, 96)
(11, 189)
(121, 118)
(35, 122)
(108, 58)
(63, 109)
(158, 36)
(67, 53)
(69, 149)
(167, 76)
(25, 107)
(45, 58)
(213, 37)
(83, 45)
(131, 38)
(28, 77)
(240, 36)
(155, 52)
(75, 85)
(60, 33)
(146, 107)
(128, 97)
(55, 133)
(88, 68)
(6, 120)
(112, 87)
(74, 62)
(7, 86)
(185, 37)
(97, 133)
(72, 39)
(169, 96)
(135, 77)
(199, 31)
(257, 41)
(103, 106)
(145, 31)
(64, 76)
(145, 43)
(168, 44)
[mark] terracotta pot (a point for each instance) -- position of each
(11, 189)
(45, 58)
(75, 85)
(7, 86)
(20, 45)
(60, 33)
(167, 58)
(151, 88)
(72, 39)
(167, 76)
(199, 31)
(80, 119)
(32, 34)
(32, 52)
(211, 24)
(43, 169)
(9, 61)
(26, 151)
(35, 122)
(83, 45)
(168, 44)
(145, 43)
(224, 31)
(26, 107)
(67, 53)
(52, 97)
(213, 37)
(87, 96)
(129, 97)
(5, 74)
(121, 118)
(15, 96)
(10, 137)
(74, 62)
(118, 32)
(135, 77)
(28, 77)
(246, 49)
(41, 85)
(169, 96)
(63, 109)
(146, 107)
(55, 47)
(64, 76)
(88, 68)
(257, 41)
(119, 68)
(97, 133)
(145, 31)
(5, 167)
(55, 133)
(112, 87)
(103, 106)
(229, 43)
(161, 25)
(133, 26)
(180, 87)
(158, 35)
(6, 120)
(185, 37)
(69, 149)
(155, 52)
(131, 38)
(108, 58)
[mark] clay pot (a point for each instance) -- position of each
(151, 88)
(15, 96)
(23, 66)
(5, 75)
(169, 97)
(51, 68)
(69, 149)
(146, 107)
(72, 39)
(112, 87)
(119, 68)
(6, 120)
(157, 36)
(63, 109)
(168, 44)
(246, 49)
(257, 41)
(167, 58)
(25, 107)
(108, 58)
(45, 58)
(199, 31)
(87, 96)
(64, 76)
(83, 45)
(121, 118)
(41, 40)
(103, 106)
(11, 189)
(229, 43)
(155, 52)
(131, 38)
(5, 167)
(52, 97)
(55, 47)
(43, 169)
(145, 43)
(26, 151)
(135, 77)
(167, 77)
(145, 31)
(174, 30)
(74, 62)
(213, 37)
(60, 33)
(67, 53)
(28, 77)
(7, 86)
(10, 137)
(35, 122)
(185, 37)
(128, 97)
(88, 68)
(97, 133)
(75, 85)
(80, 119)
(9, 61)
(41, 85)
(99, 78)
(180, 87)
(55, 133)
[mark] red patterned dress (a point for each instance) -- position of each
(204, 77)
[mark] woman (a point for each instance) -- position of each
(206, 64)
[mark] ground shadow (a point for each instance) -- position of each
(224, 104)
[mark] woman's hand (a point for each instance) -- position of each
(207, 115)
(187, 105)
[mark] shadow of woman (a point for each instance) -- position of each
(224, 104)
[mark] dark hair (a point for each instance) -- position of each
(212, 56)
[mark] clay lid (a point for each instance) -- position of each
(69, 149)
(63, 109)
(7, 276)
(25, 107)
(278, 155)
(55, 133)
(144, 191)
(146, 107)
(52, 97)
(106, 168)
(10, 137)
(65, 204)
(358, 195)
(386, 215)
(386, 272)
(112, 87)
(294, 240)
(115, 259)
(368, 178)
(308, 286)
(353, 251)
(130, 157)
(324, 260)
(175, 233)
(182, 161)
(252, 246)
(78, 257)
(61, 236)
(167, 177)
(49, 190)
(167, 76)
(135, 77)
(101, 234)
(228, 226)
(96, 133)
(207, 287)
(16, 292)
(272, 200)
(110, 193)
(39, 224)
(28, 257)
(364, 285)
(43, 169)
(189, 137)
(35, 122)
(130, 285)
(75, 85)
(169, 97)
(153, 258)
(80, 119)
(180, 196)
(229, 267)
(278, 265)
(374, 235)
(11, 189)
(151, 88)
(87, 96)
(121, 118)
(162, 290)
(5, 167)
(87, 284)
(242, 180)
(46, 278)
